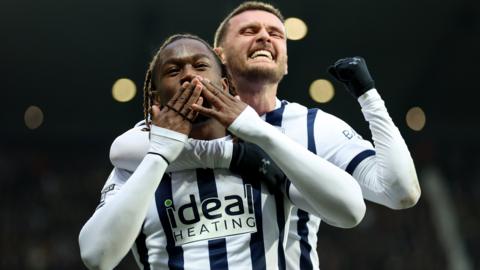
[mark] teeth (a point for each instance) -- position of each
(262, 53)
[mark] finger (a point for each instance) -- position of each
(216, 90)
(164, 109)
(172, 101)
(214, 100)
(205, 111)
(332, 71)
(193, 98)
(223, 98)
(341, 61)
(155, 111)
(221, 93)
(183, 98)
(193, 114)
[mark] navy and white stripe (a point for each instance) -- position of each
(275, 119)
(162, 194)
(217, 248)
(324, 135)
(357, 159)
(141, 251)
(257, 245)
(173, 234)
(186, 200)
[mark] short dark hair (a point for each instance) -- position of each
(246, 6)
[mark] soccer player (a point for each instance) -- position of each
(205, 218)
(252, 44)
(251, 41)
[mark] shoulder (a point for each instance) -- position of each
(325, 124)
(135, 135)
(294, 109)
(132, 137)
(132, 144)
(141, 124)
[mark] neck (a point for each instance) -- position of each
(260, 96)
(208, 130)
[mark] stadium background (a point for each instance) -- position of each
(64, 56)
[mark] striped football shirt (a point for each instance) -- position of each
(330, 138)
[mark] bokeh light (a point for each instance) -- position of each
(296, 29)
(416, 118)
(33, 117)
(124, 90)
(321, 91)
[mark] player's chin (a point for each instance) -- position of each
(264, 73)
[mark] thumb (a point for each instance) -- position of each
(331, 69)
(155, 110)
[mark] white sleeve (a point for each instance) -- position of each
(332, 193)
(108, 235)
(203, 154)
(128, 150)
(388, 178)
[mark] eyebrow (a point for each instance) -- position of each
(257, 24)
(195, 57)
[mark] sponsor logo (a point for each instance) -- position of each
(350, 133)
(264, 166)
(212, 218)
(104, 194)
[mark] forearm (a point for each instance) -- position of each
(128, 150)
(112, 230)
(203, 154)
(331, 192)
(390, 177)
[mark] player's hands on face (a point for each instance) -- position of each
(177, 114)
(353, 73)
(225, 107)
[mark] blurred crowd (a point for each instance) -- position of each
(47, 194)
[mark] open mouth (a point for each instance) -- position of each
(261, 54)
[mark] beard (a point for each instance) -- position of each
(256, 73)
(269, 75)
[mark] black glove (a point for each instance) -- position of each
(250, 161)
(353, 73)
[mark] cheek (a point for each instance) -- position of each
(238, 46)
(212, 75)
(167, 91)
(167, 96)
(281, 48)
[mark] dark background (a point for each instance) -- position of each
(64, 56)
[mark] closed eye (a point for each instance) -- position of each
(248, 31)
(276, 34)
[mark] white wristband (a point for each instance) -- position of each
(166, 142)
(249, 126)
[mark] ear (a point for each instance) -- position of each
(225, 84)
(219, 51)
(286, 66)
